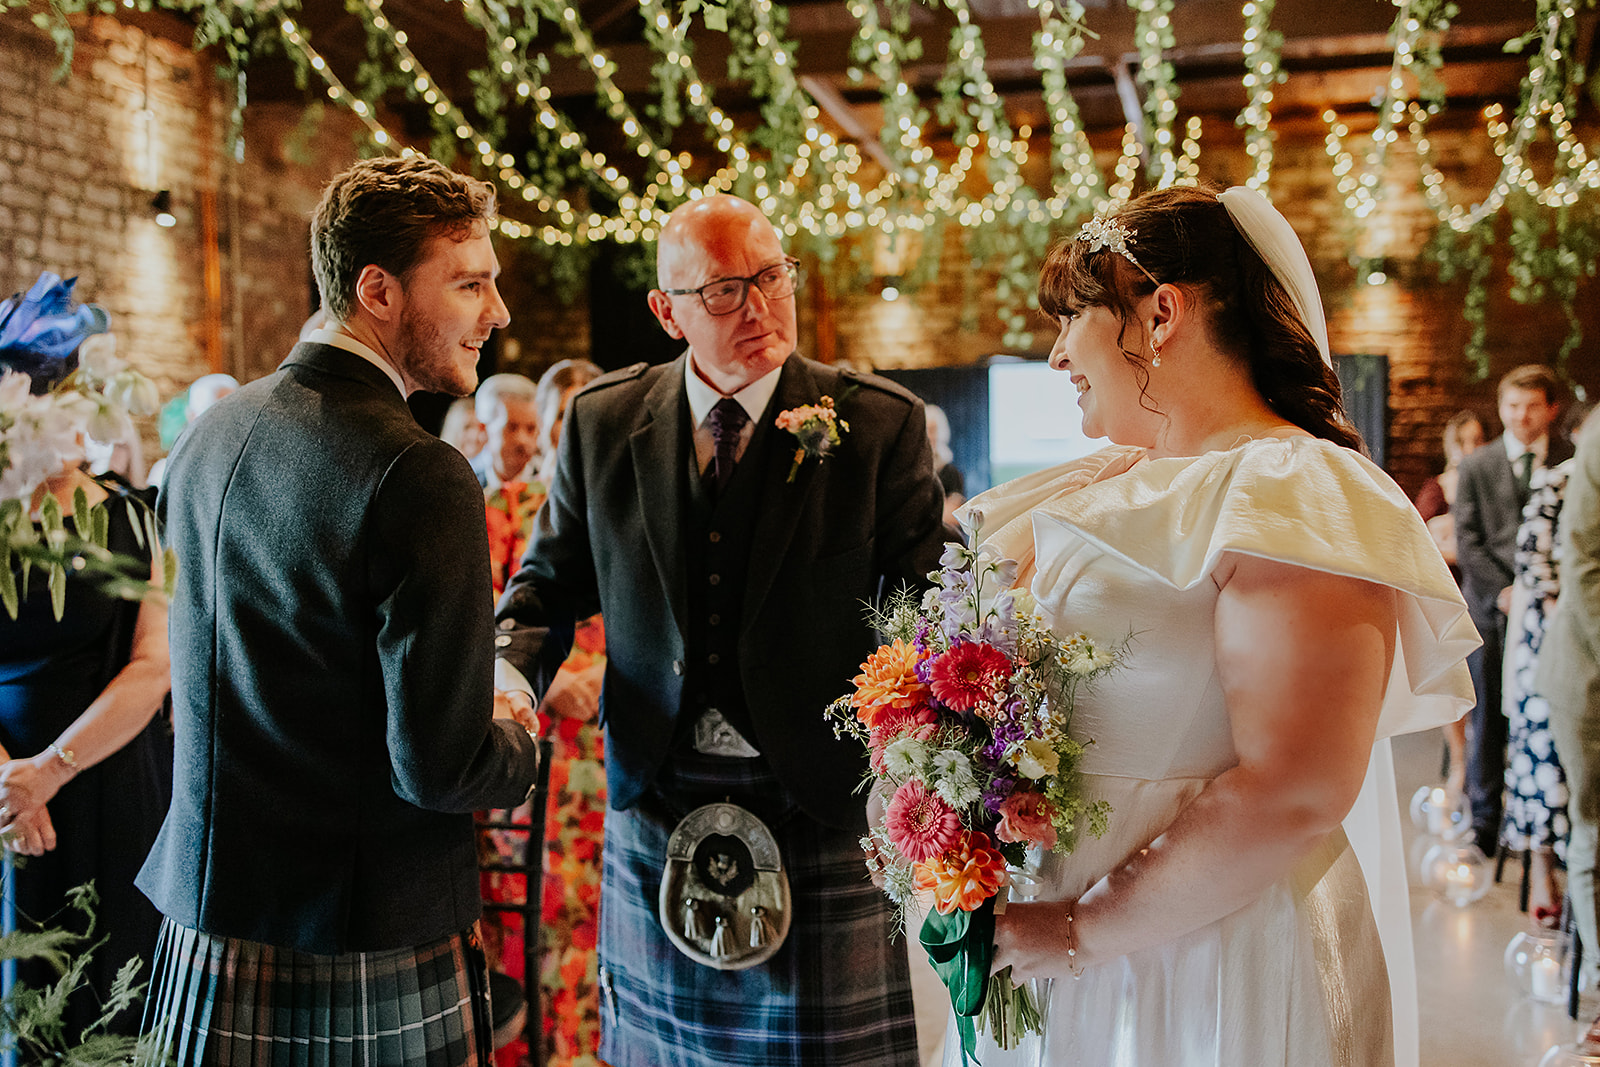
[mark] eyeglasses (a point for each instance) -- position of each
(727, 295)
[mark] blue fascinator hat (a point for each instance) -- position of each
(40, 330)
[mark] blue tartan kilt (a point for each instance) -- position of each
(235, 1003)
(837, 992)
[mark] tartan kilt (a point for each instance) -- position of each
(235, 1003)
(837, 992)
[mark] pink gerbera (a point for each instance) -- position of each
(970, 674)
(920, 825)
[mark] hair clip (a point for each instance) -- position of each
(1102, 232)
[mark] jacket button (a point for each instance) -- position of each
(502, 641)
(713, 659)
(715, 579)
(507, 624)
(715, 619)
(715, 537)
(677, 667)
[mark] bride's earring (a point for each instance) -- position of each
(1155, 354)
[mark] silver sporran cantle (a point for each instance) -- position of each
(724, 892)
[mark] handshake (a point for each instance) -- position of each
(516, 705)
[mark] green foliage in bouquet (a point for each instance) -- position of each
(32, 1021)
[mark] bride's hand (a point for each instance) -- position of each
(1032, 939)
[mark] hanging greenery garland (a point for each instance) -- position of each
(818, 190)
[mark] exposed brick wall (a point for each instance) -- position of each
(79, 163)
(76, 178)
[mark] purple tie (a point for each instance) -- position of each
(727, 421)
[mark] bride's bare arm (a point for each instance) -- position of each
(1302, 657)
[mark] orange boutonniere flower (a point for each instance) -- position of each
(888, 681)
(965, 876)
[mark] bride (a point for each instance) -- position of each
(1289, 612)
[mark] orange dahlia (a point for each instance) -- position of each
(965, 876)
(888, 681)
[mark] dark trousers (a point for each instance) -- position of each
(1487, 734)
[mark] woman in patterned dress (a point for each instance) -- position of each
(575, 818)
(1536, 786)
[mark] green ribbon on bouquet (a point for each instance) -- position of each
(961, 948)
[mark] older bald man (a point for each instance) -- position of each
(731, 563)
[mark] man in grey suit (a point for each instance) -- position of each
(731, 561)
(334, 713)
(1569, 678)
(1491, 488)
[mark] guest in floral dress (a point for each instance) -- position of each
(1536, 786)
(575, 818)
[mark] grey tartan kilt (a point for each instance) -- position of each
(234, 1003)
(837, 992)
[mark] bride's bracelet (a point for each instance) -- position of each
(1072, 942)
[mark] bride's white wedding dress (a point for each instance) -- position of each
(1118, 544)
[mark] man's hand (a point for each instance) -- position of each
(576, 694)
(1503, 601)
(517, 706)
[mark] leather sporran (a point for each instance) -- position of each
(724, 893)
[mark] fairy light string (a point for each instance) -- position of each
(1263, 69)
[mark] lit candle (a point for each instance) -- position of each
(1458, 884)
(1546, 979)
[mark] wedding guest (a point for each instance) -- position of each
(944, 464)
(1569, 678)
(202, 393)
(730, 557)
(574, 820)
(85, 765)
(1536, 786)
(1463, 435)
(557, 386)
(335, 717)
(507, 408)
(1491, 490)
(1274, 580)
(461, 428)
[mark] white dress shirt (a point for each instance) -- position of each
(328, 335)
(1515, 450)
(702, 398)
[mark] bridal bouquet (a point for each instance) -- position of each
(964, 714)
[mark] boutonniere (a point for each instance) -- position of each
(817, 428)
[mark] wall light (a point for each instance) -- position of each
(891, 288)
(161, 204)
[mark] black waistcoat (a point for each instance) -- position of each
(719, 533)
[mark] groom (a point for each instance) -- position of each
(731, 565)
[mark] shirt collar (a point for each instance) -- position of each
(753, 397)
(1515, 448)
(336, 338)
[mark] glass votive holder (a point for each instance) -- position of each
(1579, 1055)
(1433, 813)
(1457, 871)
(1538, 965)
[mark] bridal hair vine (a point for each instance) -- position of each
(1102, 232)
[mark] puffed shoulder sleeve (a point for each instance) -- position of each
(1301, 501)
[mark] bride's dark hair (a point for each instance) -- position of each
(1185, 236)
